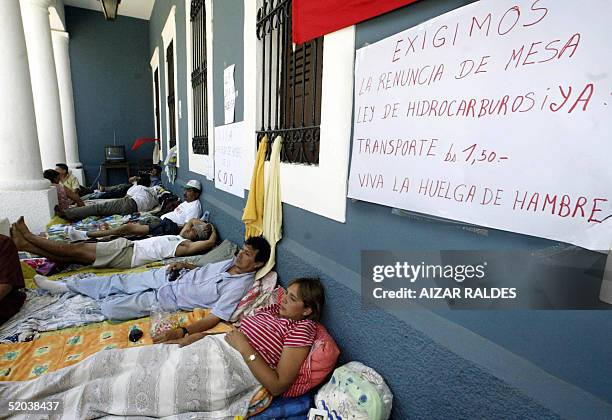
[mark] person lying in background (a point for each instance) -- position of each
(218, 286)
(275, 341)
(11, 280)
(64, 194)
(139, 198)
(168, 224)
(194, 239)
(120, 190)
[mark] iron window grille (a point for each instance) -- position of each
(290, 85)
(171, 104)
(199, 142)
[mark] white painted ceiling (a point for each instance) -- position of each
(140, 9)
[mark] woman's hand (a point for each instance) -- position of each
(238, 340)
(191, 338)
(167, 336)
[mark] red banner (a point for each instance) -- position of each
(313, 18)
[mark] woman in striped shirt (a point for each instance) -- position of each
(275, 341)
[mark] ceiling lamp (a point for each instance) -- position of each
(109, 7)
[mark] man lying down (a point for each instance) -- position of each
(196, 237)
(214, 376)
(218, 286)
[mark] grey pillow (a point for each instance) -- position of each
(224, 251)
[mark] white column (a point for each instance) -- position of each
(35, 15)
(23, 191)
(64, 81)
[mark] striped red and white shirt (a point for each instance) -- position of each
(268, 333)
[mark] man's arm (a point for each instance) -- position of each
(180, 266)
(188, 224)
(199, 247)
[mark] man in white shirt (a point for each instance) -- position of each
(139, 198)
(169, 224)
(195, 238)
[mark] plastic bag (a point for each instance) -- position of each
(161, 321)
(355, 391)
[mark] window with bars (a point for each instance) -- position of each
(157, 114)
(199, 142)
(171, 99)
(290, 85)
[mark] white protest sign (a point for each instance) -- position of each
(229, 93)
(229, 167)
(496, 114)
(209, 169)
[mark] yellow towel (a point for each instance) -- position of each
(273, 210)
(254, 209)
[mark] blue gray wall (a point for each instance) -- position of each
(112, 86)
(450, 364)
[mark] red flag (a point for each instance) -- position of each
(313, 18)
(142, 140)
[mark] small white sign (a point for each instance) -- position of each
(229, 93)
(229, 166)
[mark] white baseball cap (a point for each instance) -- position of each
(194, 184)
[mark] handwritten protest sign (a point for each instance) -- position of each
(496, 114)
(229, 167)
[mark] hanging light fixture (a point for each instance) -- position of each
(109, 7)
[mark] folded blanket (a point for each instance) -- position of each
(45, 312)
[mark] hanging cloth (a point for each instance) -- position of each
(273, 207)
(156, 153)
(254, 209)
(170, 164)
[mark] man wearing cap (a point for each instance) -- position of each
(169, 224)
(194, 238)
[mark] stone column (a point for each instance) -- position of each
(23, 191)
(35, 15)
(64, 80)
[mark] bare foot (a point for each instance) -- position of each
(21, 226)
(20, 242)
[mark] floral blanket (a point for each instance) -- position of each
(55, 350)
